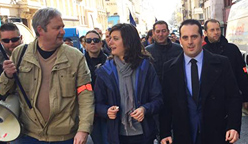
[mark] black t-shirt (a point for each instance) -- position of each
(45, 54)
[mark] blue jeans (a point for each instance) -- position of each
(29, 140)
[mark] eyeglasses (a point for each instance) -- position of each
(95, 40)
(15, 39)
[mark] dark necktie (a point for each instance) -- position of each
(194, 80)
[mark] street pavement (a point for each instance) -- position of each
(243, 133)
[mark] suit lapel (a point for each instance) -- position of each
(178, 80)
(211, 70)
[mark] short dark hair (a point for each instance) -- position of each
(109, 29)
(191, 22)
(96, 28)
(95, 32)
(172, 33)
(134, 50)
(210, 20)
(68, 39)
(160, 22)
(149, 34)
(81, 39)
(9, 27)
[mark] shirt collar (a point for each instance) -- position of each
(199, 58)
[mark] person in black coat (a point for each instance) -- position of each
(94, 58)
(218, 44)
(162, 49)
(205, 110)
(94, 54)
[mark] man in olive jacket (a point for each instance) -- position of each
(56, 80)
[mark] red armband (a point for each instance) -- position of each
(83, 88)
(245, 70)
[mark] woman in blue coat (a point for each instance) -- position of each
(127, 90)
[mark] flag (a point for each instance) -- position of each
(131, 19)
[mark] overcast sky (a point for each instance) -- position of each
(164, 8)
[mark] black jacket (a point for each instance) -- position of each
(1, 62)
(93, 63)
(219, 96)
(232, 52)
(106, 49)
(163, 53)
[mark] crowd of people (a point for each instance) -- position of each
(124, 89)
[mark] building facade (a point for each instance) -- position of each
(141, 10)
(203, 10)
(192, 9)
(214, 10)
(83, 14)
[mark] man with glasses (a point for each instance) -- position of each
(95, 57)
(57, 82)
(10, 38)
(162, 49)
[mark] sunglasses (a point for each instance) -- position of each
(95, 40)
(15, 39)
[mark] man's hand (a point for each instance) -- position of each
(112, 111)
(245, 105)
(9, 68)
(80, 138)
(166, 140)
(138, 114)
(232, 136)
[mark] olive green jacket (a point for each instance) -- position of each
(69, 112)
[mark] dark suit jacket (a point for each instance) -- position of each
(220, 100)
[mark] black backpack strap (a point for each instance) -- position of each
(20, 59)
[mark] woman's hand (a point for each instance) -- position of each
(138, 114)
(112, 111)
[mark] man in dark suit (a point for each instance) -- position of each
(201, 96)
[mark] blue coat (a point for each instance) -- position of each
(147, 94)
